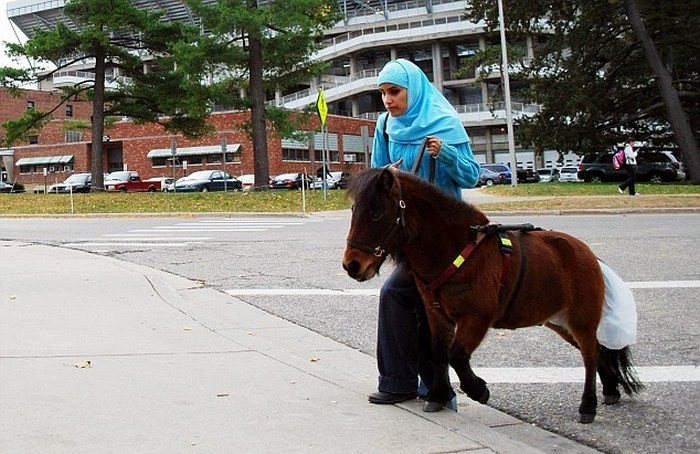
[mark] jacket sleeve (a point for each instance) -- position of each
(380, 146)
(460, 164)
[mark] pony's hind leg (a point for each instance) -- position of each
(587, 344)
(611, 395)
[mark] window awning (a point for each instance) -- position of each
(45, 160)
(192, 151)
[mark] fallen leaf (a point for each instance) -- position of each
(83, 364)
(314, 360)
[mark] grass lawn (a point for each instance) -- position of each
(532, 196)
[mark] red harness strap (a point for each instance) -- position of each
(506, 248)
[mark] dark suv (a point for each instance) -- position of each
(653, 165)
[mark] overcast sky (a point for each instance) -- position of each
(7, 34)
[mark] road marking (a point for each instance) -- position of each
(134, 244)
(169, 233)
(301, 292)
(664, 284)
(650, 374)
(375, 291)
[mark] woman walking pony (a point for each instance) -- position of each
(417, 112)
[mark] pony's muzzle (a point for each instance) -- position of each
(359, 269)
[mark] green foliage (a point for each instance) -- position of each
(28, 124)
(289, 32)
(590, 74)
(112, 36)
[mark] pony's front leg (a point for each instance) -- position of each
(469, 335)
(434, 363)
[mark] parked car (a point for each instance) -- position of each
(654, 165)
(335, 180)
(7, 188)
(488, 177)
(342, 179)
(78, 182)
(568, 173)
(290, 181)
(502, 170)
(524, 175)
(129, 181)
(247, 180)
(208, 180)
(162, 183)
(548, 175)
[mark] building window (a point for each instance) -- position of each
(33, 140)
(74, 136)
(160, 162)
(195, 160)
(69, 110)
(30, 105)
(295, 154)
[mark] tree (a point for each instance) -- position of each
(111, 37)
(264, 47)
(593, 77)
(676, 115)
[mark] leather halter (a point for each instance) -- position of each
(379, 250)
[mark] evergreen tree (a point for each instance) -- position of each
(264, 47)
(594, 78)
(112, 37)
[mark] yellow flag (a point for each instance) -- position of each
(322, 107)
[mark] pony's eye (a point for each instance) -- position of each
(375, 215)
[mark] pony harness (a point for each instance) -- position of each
(476, 234)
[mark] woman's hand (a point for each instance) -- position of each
(433, 146)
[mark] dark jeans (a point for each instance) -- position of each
(403, 343)
(629, 182)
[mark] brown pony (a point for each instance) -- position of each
(504, 277)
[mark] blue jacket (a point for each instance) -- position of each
(455, 169)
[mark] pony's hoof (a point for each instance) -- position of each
(432, 407)
(484, 397)
(611, 400)
(586, 418)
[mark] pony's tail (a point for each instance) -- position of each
(619, 362)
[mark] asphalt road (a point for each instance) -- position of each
(290, 266)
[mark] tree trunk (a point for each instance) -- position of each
(257, 113)
(98, 120)
(676, 115)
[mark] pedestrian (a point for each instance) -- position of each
(416, 111)
(630, 167)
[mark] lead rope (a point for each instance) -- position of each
(416, 164)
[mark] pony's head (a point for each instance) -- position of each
(377, 224)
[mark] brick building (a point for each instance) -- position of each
(63, 146)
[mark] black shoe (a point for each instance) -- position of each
(380, 397)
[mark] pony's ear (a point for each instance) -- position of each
(386, 178)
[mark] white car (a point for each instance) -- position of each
(568, 173)
(248, 181)
(547, 175)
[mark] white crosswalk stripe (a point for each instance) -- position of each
(187, 233)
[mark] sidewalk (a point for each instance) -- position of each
(103, 356)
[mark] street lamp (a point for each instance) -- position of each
(506, 91)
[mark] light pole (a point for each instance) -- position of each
(506, 92)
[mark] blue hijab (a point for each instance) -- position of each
(428, 112)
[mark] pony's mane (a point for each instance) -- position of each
(423, 194)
